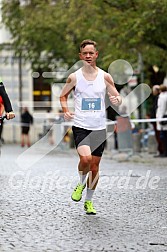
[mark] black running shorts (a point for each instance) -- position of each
(95, 139)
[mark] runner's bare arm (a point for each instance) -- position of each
(68, 87)
(113, 94)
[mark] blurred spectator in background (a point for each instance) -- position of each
(26, 120)
(161, 113)
(1, 124)
(48, 123)
(155, 93)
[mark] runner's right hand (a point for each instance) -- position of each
(68, 116)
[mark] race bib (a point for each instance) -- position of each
(89, 104)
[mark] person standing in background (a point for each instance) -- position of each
(155, 93)
(26, 121)
(49, 121)
(161, 113)
(1, 113)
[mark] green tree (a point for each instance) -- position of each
(48, 32)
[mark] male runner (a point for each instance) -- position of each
(89, 118)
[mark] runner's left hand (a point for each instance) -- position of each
(114, 99)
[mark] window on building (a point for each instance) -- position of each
(42, 93)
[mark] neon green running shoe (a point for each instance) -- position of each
(88, 206)
(77, 193)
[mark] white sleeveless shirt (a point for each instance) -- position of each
(89, 100)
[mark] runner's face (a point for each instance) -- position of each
(89, 54)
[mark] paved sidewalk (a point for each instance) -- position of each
(38, 215)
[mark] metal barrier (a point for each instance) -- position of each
(126, 140)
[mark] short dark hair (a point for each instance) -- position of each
(87, 42)
(163, 88)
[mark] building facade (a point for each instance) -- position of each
(23, 90)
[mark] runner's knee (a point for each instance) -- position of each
(85, 160)
(94, 168)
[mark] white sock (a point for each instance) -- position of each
(89, 194)
(82, 178)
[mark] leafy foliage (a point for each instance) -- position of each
(49, 32)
